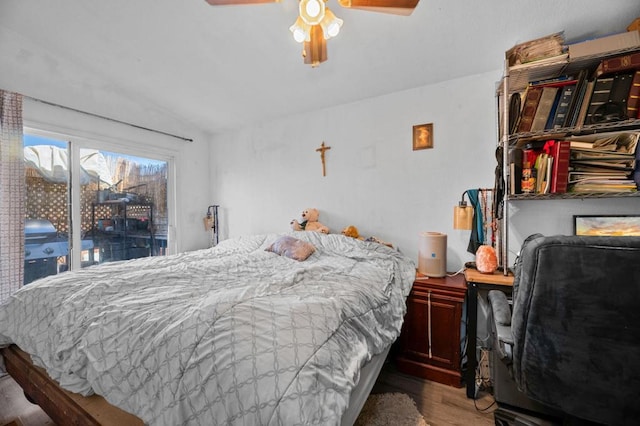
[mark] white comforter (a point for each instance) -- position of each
(229, 335)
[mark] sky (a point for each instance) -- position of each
(31, 140)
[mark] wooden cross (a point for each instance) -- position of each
(321, 150)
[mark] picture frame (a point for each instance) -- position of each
(423, 136)
(606, 225)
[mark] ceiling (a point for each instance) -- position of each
(224, 67)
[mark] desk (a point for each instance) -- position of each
(477, 280)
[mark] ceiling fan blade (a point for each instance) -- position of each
(396, 7)
(233, 2)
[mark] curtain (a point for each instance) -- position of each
(12, 195)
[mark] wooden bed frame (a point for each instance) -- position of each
(68, 408)
(64, 407)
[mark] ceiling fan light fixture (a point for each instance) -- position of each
(331, 24)
(301, 30)
(314, 51)
(395, 7)
(312, 11)
(316, 24)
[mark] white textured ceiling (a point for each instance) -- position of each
(225, 67)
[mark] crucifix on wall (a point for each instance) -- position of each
(321, 150)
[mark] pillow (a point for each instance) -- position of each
(292, 248)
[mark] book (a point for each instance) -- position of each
(599, 155)
(620, 94)
(625, 185)
(554, 107)
(515, 171)
(545, 104)
(581, 144)
(580, 176)
(546, 187)
(633, 100)
(619, 63)
(541, 172)
(624, 142)
(557, 81)
(584, 103)
(562, 107)
(578, 94)
(608, 165)
(561, 152)
(515, 107)
(600, 96)
(604, 45)
(532, 98)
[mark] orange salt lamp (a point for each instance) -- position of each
(486, 259)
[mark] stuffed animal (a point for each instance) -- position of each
(309, 222)
(352, 231)
(379, 241)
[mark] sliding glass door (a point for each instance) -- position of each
(47, 214)
(87, 205)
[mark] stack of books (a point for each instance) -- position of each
(540, 167)
(600, 92)
(603, 163)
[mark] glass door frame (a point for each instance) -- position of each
(76, 143)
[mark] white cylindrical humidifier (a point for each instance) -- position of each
(432, 254)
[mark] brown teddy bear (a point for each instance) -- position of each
(309, 222)
(352, 231)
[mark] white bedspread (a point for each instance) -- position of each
(228, 335)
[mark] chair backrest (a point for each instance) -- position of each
(576, 325)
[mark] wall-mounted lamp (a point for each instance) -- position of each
(462, 214)
(211, 223)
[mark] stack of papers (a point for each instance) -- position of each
(535, 50)
(603, 163)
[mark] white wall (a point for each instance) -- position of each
(266, 175)
(56, 75)
(556, 216)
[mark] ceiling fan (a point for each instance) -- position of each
(316, 23)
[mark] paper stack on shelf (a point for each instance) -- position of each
(538, 49)
(603, 163)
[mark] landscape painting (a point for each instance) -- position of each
(607, 225)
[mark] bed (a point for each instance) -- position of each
(242, 333)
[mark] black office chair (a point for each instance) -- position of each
(568, 349)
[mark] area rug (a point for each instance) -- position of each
(387, 409)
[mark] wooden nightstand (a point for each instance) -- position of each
(429, 345)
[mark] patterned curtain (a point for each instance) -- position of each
(12, 195)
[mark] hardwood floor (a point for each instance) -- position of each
(440, 405)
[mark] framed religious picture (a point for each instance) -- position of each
(607, 225)
(423, 136)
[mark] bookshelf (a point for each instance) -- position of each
(516, 79)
